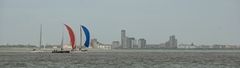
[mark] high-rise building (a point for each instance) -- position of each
(172, 43)
(141, 43)
(123, 39)
(131, 42)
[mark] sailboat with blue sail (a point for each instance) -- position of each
(72, 40)
(87, 38)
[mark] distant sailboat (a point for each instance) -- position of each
(71, 36)
(40, 41)
(87, 37)
(72, 39)
(62, 45)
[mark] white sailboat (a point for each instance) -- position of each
(40, 42)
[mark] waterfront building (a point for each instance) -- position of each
(131, 42)
(152, 46)
(115, 44)
(172, 43)
(142, 43)
(186, 46)
(123, 39)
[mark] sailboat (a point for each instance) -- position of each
(72, 40)
(40, 42)
(87, 36)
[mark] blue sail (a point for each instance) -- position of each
(87, 34)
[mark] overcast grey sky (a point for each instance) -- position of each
(198, 21)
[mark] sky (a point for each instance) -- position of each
(191, 21)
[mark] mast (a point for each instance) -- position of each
(40, 42)
(80, 36)
(62, 40)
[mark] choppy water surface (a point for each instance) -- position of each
(121, 60)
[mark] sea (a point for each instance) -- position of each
(121, 59)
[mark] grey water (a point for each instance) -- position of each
(124, 59)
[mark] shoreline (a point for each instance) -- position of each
(122, 50)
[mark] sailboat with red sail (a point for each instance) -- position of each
(71, 36)
(73, 40)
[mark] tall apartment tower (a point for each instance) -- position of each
(123, 39)
(141, 43)
(131, 42)
(172, 43)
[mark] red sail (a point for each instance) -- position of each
(71, 35)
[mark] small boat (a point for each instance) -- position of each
(61, 51)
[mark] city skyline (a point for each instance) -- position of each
(198, 22)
